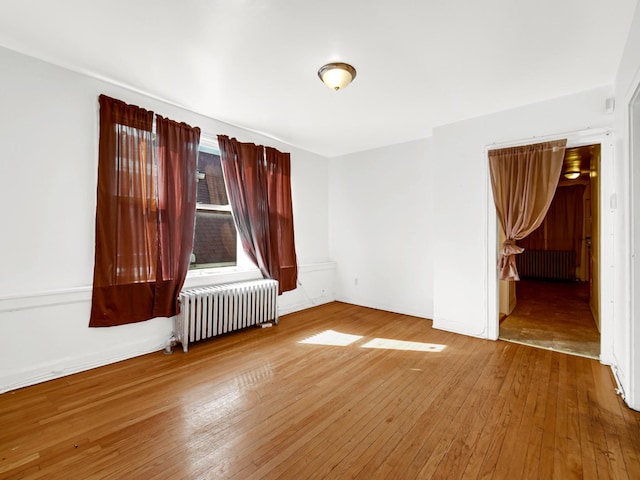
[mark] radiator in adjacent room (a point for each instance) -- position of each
(547, 264)
(209, 311)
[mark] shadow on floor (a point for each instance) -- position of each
(555, 316)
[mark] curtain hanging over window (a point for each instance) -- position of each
(177, 155)
(144, 214)
(258, 181)
(524, 181)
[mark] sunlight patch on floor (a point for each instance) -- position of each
(390, 344)
(337, 339)
(332, 338)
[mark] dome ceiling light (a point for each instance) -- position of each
(572, 174)
(337, 76)
(572, 164)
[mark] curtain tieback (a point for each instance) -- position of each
(507, 261)
(509, 247)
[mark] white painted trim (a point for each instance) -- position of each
(316, 267)
(387, 307)
(620, 388)
(632, 104)
(492, 301)
(69, 366)
(588, 136)
(303, 305)
(68, 296)
(50, 298)
(136, 345)
(454, 326)
(575, 135)
(607, 255)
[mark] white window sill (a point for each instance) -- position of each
(214, 276)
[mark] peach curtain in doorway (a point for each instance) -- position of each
(524, 180)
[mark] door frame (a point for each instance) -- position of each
(603, 137)
(633, 369)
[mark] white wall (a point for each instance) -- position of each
(464, 274)
(49, 143)
(627, 242)
(412, 222)
(380, 233)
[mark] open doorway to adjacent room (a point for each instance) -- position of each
(556, 303)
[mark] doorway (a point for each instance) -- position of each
(556, 304)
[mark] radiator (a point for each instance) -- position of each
(547, 264)
(210, 311)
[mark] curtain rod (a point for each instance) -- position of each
(554, 136)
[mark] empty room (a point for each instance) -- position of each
(279, 240)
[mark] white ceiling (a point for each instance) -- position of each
(253, 63)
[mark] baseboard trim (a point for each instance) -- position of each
(67, 367)
(383, 306)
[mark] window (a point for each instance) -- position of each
(144, 221)
(215, 241)
(136, 205)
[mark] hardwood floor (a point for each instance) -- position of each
(280, 403)
(553, 315)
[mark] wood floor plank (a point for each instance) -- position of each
(361, 435)
(263, 404)
(588, 447)
(494, 431)
(437, 445)
(553, 315)
(423, 438)
(523, 395)
(317, 413)
(469, 425)
(485, 425)
(370, 463)
(613, 424)
(561, 468)
(549, 432)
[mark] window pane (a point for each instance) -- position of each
(211, 188)
(215, 240)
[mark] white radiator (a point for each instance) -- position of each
(209, 311)
(547, 264)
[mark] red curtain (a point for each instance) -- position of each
(141, 199)
(258, 181)
(177, 155)
(281, 218)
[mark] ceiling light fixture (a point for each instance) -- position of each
(572, 163)
(571, 174)
(336, 76)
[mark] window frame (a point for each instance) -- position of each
(242, 263)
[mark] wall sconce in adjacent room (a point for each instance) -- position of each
(336, 76)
